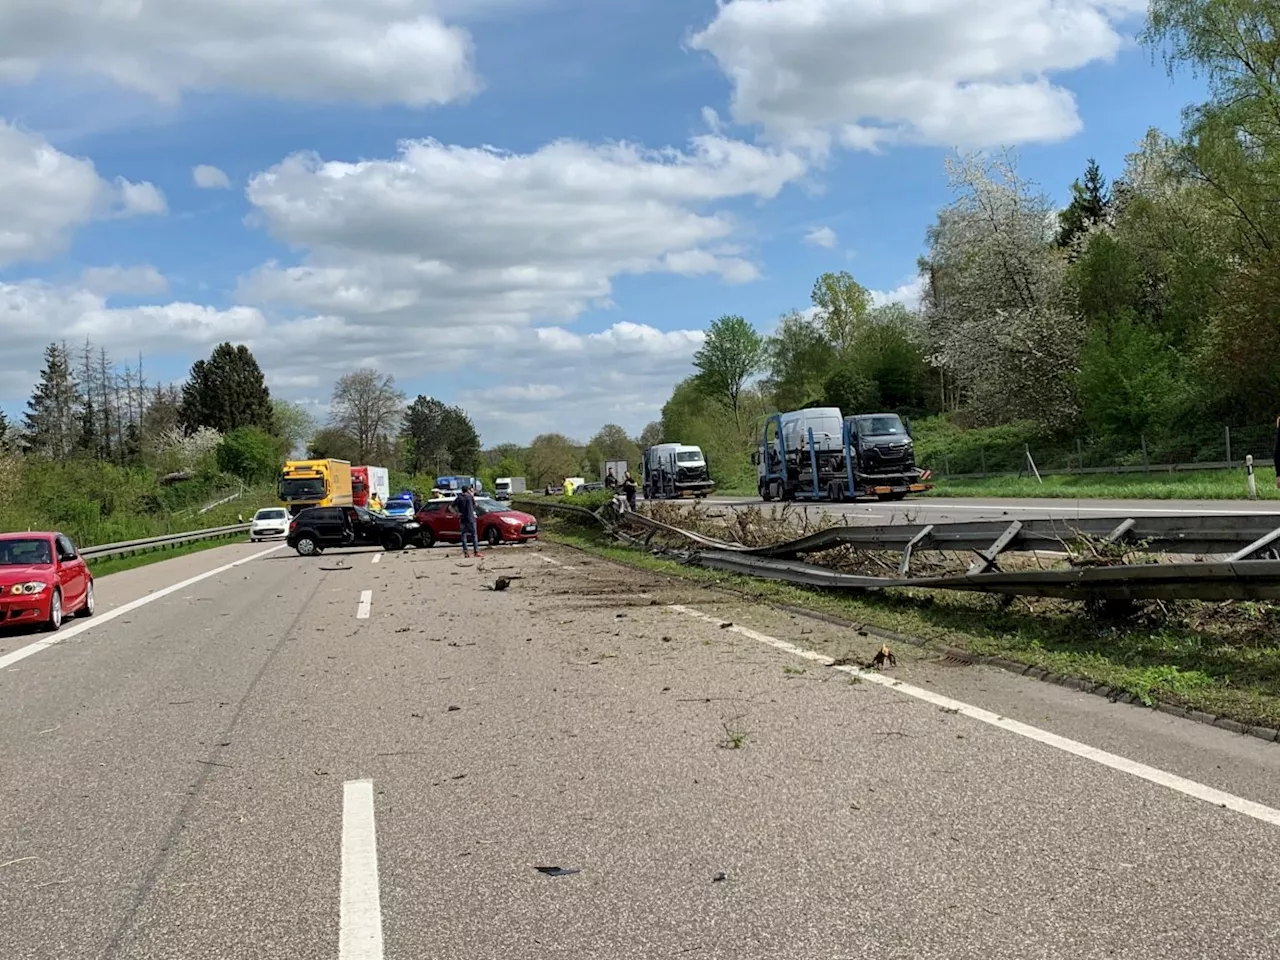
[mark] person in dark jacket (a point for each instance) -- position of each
(629, 488)
(466, 507)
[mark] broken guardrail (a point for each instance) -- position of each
(1245, 551)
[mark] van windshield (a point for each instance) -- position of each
(688, 456)
(890, 426)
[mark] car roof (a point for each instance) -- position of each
(30, 535)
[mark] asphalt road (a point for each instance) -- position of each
(186, 778)
(940, 510)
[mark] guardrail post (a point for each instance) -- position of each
(1252, 480)
(1228, 431)
(1080, 452)
(1146, 464)
(982, 452)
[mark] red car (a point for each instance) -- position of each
(495, 523)
(43, 579)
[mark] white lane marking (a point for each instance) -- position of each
(550, 560)
(360, 919)
(377, 558)
(66, 633)
(366, 601)
(1160, 777)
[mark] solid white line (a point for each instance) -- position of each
(360, 919)
(366, 601)
(1071, 508)
(66, 633)
(1151, 774)
(377, 558)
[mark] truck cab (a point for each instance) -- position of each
(676, 470)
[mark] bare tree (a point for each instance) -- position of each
(367, 407)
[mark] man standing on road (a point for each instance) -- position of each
(466, 507)
(629, 488)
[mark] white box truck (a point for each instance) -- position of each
(504, 488)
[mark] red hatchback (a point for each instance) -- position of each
(495, 523)
(43, 579)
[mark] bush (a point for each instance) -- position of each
(251, 454)
(941, 446)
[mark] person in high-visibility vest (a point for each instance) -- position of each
(375, 503)
(568, 487)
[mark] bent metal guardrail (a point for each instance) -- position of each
(158, 543)
(1240, 576)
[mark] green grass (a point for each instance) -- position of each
(1221, 659)
(1188, 485)
(109, 565)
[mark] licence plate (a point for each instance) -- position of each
(530, 528)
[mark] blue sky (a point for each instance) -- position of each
(543, 290)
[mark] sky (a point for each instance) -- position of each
(531, 208)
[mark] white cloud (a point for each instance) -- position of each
(33, 312)
(374, 51)
(908, 294)
(139, 199)
(448, 259)
(210, 178)
(135, 281)
(968, 73)
(46, 194)
(821, 237)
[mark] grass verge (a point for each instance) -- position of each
(110, 565)
(1190, 485)
(1218, 658)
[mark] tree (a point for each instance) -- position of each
(292, 423)
(251, 454)
(848, 388)
(612, 443)
(226, 392)
(842, 304)
(1089, 207)
(552, 457)
(800, 357)
(4, 432)
(733, 353)
(650, 435)
(367, 407)
(331, 443)
(439, 438)
(51, 425)
(690, 416)
(996, 311)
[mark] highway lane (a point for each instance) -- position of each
(961, 509)
(174, 783)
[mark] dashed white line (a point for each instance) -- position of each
(377, 558)
(1140, 770)
(66, 633)
(366, 602)
(360, 917)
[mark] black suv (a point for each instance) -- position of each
(318, 528)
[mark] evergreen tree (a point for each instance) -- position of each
(50, 425)
(226, 392)
(1090, 205)
(4, 431)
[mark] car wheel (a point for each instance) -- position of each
(428, 538)
(89, 604)
(392, 542)
(493, 536)
(55, 612)
(307, 547)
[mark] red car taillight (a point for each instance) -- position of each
(293, 526)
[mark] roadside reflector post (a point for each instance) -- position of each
(1253, 481)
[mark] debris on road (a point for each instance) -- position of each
(503, 582)
(884, 655)
(719, 878)
(557, 871)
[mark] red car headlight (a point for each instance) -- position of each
(30, 588)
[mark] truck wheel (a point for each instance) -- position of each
(764, 491)
(834, 493)
(779, 492)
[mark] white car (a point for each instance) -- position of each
(267, 523)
